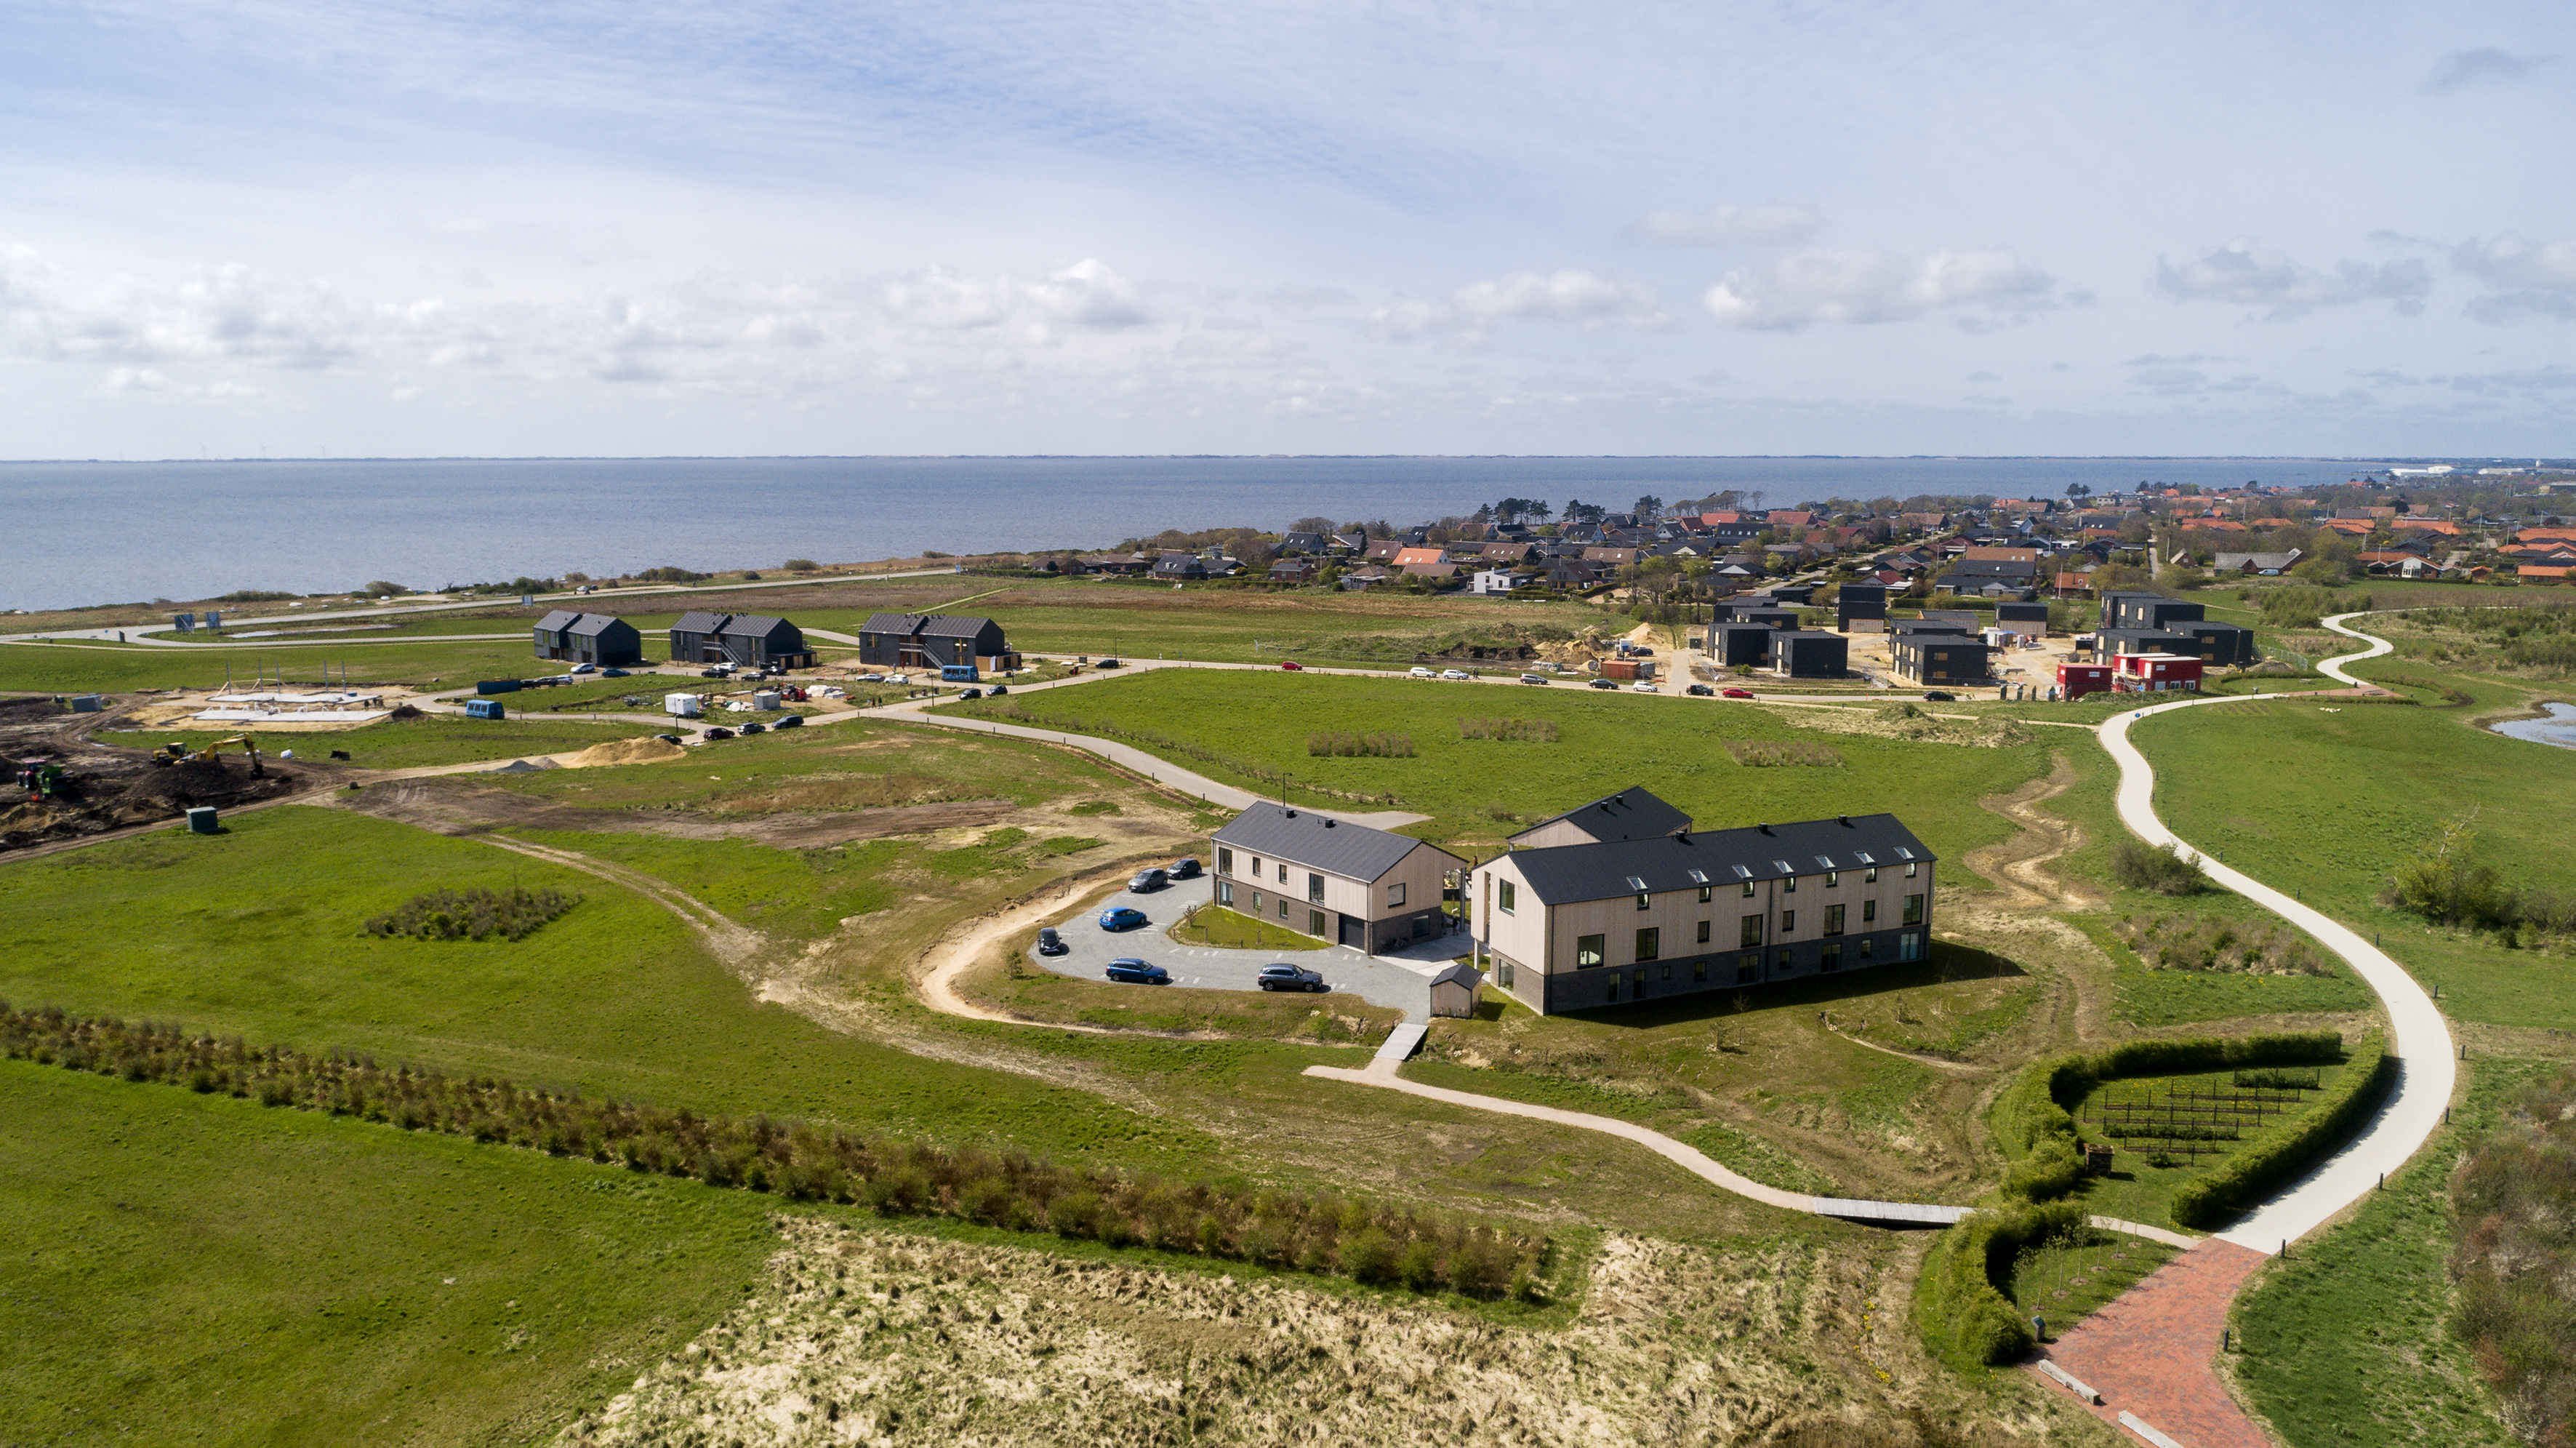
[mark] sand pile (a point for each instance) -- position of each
(647, 750)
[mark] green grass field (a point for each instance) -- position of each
(111, 668)
(1478, 789)
(2341, 799)
(202, 1270)
(2349, 1341)
(229, 934)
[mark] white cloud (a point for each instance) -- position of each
(2536, 278)
(2241, 274)
(1578, 297)
(1822, 286)
(2529, 379)
(1778, 223)
(224, 313)
(2485, 65)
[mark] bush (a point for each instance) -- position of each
(1526, 731)
(255, 595)
(1333, 742)
(2443, 885)
(2163, 869)
(802, 565)
(514, 914)
(2514, 1262)
(1771, 753)
(1960, 1306)
(669, 573)
(2249, 1176)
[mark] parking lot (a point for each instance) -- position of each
(1400, 981)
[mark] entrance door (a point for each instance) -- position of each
(1354, 932)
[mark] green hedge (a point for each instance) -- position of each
(2249, 1176)
(2033, 1121)
(1960, 1307)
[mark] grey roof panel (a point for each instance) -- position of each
(1569, 874)
(591, 625)
(558, 619)
(1318, 842)
(698, 620)
(1632, 813)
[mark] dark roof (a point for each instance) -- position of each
(753, 625)
(591, 625)
(1570, 874)
(1319, 842)
(699, 621)
(1632, 813)
(560, 618)
(893, 623)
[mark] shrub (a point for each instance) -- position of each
(2442, 884)
(802, 565)
(1333, 742)
(514, 914)
(2163, 869)
(2165, 943)
(669, 573)
(1527, 731)
(2514, 1261)
(1771, 753)
(2250, 1175)
(1960, 1306)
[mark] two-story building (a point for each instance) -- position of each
(1331, 879)
(589, 638)
(933, 640)
(750, 640)
(1607, 921)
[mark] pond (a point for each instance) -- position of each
(2559, 728)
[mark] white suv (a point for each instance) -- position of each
(1455, 674)
(1423, 672)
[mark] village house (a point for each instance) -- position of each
(744, 639)
(603, 639)
(1605, 921)
(1331, 879)
(934, 640)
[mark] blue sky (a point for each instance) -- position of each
(759, 227)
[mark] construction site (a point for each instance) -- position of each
(66, 785)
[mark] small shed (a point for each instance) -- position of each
(1456, 990)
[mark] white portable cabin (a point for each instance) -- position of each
(681, 706)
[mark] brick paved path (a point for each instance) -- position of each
(2151, 1350)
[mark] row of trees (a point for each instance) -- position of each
(1317, 1232)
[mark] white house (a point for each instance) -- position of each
(1332, 879)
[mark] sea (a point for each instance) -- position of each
(86, 533)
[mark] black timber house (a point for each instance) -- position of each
(748, 640)
(934, 640)
(589, 638)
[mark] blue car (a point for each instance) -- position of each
(1128, 970)
(1121, 917)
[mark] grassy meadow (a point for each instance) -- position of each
(1478, 790)
(203, 1270)
(2341, 799)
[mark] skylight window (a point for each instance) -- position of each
(1743, 872)
(1903, 853)
(1637, 884)
(1699, 877)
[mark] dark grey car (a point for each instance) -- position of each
(1148, 881)
(1284, 976)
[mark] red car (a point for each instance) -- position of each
(1735, 693)
(1294, 667)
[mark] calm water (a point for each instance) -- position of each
(2559, 728)
(86, 533)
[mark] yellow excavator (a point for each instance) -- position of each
(174, 751)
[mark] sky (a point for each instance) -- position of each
(239, 228)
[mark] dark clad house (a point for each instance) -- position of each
(748, 639)
(589, 638)
(1613, 921)
(1740, 643)
(1809, 654)
(931, 640)
(1631, 814)
(1861, 604)
(1941, 658)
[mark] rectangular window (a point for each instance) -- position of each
(1650, 943)
(1315, 889)
(1911, 866)
(1868, 911)
(1751, 933)
(1864, 947)
(1256, 902)
(1613, 996)
(1703, 932)
(1256, 867)
(1705, 891)
(1506, 896)
(1645, 901)
(1748, 889)
(1699, 972)
(1834, 956)
(1833, 920)
(1872, 877)
(1789, 886)
(1748, 969)
(1224, 861)
(1283, 872)
(1636, 985)
(1225, 892)
(1587, 950)
(1503, 971)
(1909, 946)
(1833, 879)
(1913, 909)
(1315, 923)
(1788, 922)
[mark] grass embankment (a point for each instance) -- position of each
(615, 998)
(2351, 1338)
(1014, 986)
(88, 667)
(198, 1269)
(1478, 790)
(2342, 799)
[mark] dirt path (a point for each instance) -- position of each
(954, 956)
(740, 948)
(2018, 866)
(1937, 1063)
(455, 807)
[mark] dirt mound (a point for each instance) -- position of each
(647, 750)
(194, 782)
